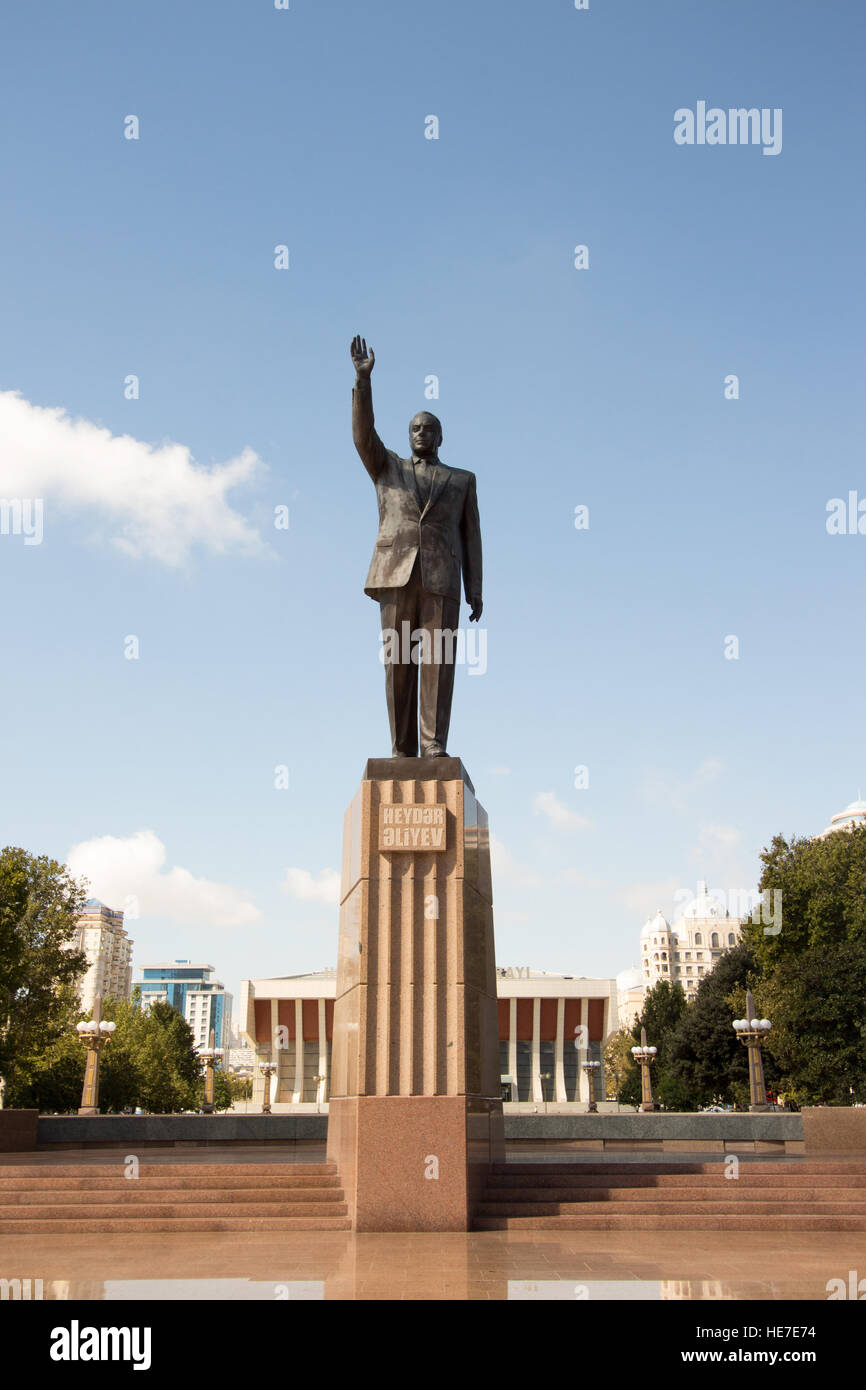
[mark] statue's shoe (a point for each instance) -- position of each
(434, 751)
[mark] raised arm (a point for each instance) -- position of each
(470, 531)
(367, 442)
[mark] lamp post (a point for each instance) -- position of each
(94, 1033)
(645, 1056)
(752, 1031)
(210, 1055)
(544, 1076)
(267, 1070)
(243, 1076)
(592, 1069)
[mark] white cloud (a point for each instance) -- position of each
(155, 501)
(578, 879)
(677, 794)
(559, 815)
(324, 889)
(716, 837)
(505, 868)
(120, 869)
(645, 898)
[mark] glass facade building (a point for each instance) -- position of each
(189, 988)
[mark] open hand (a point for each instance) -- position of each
(362, 359)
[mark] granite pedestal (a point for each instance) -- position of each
(415, 1115)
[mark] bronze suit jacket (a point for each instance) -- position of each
(447, 532)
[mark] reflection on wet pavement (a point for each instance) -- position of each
(502, 1265)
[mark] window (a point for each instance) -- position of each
(503, 1070)
(547, 1072)
(698, 940)
(714, 939)
(571, 1071)
(524, 1063)
(730, 938)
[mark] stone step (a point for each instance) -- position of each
(205, 1171)
(288, 1179)
(12, 1217)
(676, 1182)
(131, 1193)
(179, 1224)
(732, 1191)
(813, 1167)
(525, 1210)
(99, 1197)
(624, 1221)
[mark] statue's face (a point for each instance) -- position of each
(425, 435)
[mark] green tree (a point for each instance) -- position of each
(823, 896)
(706, 1060)
(40, 904)
(663, 1007)
(817, 1005)
(240, 1087)
(55, 1079)
(150, 1062)
(223, 1091)
(167, 1062)
(618, 1062)
(811, 973)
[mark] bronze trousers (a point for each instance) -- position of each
(419, 683)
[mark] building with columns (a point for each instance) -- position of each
(548, 1026)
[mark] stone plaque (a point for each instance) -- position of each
(410, 828)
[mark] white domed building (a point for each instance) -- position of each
(656, 948)
(688, 949)
(849, 819)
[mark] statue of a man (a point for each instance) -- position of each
(428, 531)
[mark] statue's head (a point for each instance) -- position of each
(425, 435)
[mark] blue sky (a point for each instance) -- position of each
(558, 387)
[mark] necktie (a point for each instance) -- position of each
(423, 482)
